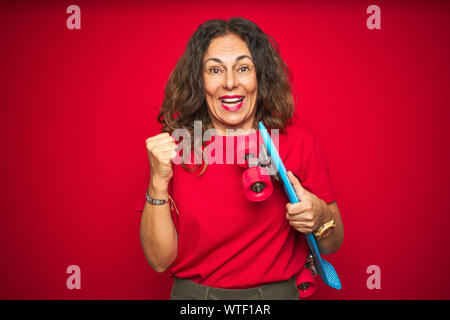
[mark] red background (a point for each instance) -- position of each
(78, 105)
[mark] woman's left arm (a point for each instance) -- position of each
(333, 242)
(312, 212)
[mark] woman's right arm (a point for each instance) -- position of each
(159, 238)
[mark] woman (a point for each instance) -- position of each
(198, 224)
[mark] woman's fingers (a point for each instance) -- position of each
(303, 227)
(299, 190)
(161, 150)
(152, 145)
(158, 137)
(298, 208)
(301, 216)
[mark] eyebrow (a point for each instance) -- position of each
(237, 59)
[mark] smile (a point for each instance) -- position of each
(232, 103)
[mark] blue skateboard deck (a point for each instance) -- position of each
(324, 268)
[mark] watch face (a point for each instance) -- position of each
(327, 232)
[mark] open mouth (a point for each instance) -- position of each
(232, 103)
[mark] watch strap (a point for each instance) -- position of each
(327, 225)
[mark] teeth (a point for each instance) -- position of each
(232, 100)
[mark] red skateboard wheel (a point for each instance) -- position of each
(257, 184)
(306, 283)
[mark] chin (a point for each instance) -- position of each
(232, 122)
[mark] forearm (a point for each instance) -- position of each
(159, 238)
(333, 242)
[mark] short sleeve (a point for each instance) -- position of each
(316, 177)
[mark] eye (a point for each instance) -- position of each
(214, 70)
(244, 69)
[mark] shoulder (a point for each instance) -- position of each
(298, 132)
(296, 144)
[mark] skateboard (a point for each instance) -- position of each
(322, 267)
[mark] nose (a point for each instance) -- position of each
(230, 81)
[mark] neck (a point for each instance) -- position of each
(234, 131)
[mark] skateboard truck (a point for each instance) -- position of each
(305, 281)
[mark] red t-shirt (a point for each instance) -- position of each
(227, 241)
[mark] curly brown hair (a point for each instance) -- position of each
(185, 98)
